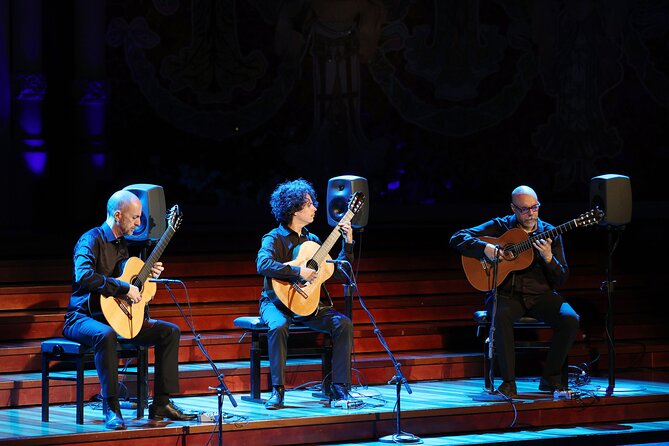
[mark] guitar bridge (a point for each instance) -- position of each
(300, 291)
(123, 307)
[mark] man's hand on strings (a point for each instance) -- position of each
(308, 274)
(543, 246)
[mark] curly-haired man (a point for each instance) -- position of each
(294, 206)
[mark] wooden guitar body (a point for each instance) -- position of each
(124, 317)
(302, 299)
(480, 272)
(516, 248)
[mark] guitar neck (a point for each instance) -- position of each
(561, 229)
(329, 242)
(145, 272)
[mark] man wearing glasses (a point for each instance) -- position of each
(528, 292)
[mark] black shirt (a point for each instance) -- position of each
(278, 246)
(98, 258)
(539, 278)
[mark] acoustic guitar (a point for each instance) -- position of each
(302, 297)
(119, 312)
(516, 250)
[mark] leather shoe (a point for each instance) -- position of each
(114, 419)
(551, 384)
(276, 400)
(170, 411)
(508, 389)
(339, 392)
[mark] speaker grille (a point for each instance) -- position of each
(340, 190)
(152, 223)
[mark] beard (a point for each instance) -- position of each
(529, 224)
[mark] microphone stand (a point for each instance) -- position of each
(398, 379)
(491, 394)
(491, 336)
(221, 388)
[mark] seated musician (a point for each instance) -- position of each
(294, 206)
(527, 292)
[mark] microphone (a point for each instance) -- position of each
(338, 262)
(164, 280)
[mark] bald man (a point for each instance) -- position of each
(99, 257)
(528, 292)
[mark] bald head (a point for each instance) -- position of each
(120, 200)
(124, 211)
(523, 190)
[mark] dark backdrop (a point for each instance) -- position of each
(444, 106)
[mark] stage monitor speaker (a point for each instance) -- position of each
(340, 190)
(613, 194)
(153, 223)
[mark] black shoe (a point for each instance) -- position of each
(551, 384)
(114, 419)
(508, 388)
(339, 392)
(276, 400)
(169, 411)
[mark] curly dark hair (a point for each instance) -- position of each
(290, 197)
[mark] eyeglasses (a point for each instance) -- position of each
(523, 211)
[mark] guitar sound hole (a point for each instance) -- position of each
(136, 282)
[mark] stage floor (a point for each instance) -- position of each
(650, 433)
(435, 411)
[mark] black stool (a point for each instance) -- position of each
(65, 350)
(255, 326)
(481, 318)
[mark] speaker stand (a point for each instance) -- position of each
(348, 288)
(609, 286)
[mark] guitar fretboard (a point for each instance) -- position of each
(329, 242)
(153, 257)
(527, 244)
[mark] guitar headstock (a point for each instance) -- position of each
(591, 217)
(174, 217)
(356, 202)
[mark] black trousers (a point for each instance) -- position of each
(326, 320)
(164, 336)
(550, 308)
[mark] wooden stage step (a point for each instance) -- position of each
(21, 389)
(433, 408)
(422, 304)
